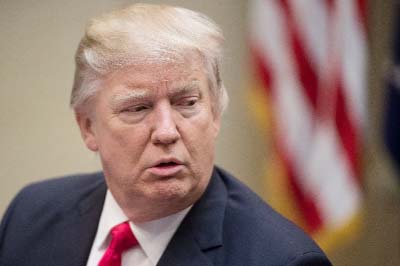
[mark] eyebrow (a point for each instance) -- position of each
(137, 94)
(143, 93)
(187, 88)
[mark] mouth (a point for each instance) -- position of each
(166, 167)
(166, 164)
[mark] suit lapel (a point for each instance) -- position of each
(79, 226)
(184, 251)
(199, 237)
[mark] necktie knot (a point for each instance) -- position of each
(122, 239)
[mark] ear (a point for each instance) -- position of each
(85, 123)
(216, 124)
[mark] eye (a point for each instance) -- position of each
(188, 101)
(135, 109)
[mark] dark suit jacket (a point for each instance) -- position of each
(53, 223)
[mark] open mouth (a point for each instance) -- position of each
(166, 168)
(167, 164)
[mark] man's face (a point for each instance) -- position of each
(155, 132)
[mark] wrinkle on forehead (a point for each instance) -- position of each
(162, 66)
(147, 81)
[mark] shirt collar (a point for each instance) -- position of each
(153, 236)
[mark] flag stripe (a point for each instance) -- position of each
(310, 214)
(350, 50)
(312, 30)
(362, 13)
(349, 81)
(305, 202)
(346, 131)
(330, 177)
(261, 68)
(306, 72)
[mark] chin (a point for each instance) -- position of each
(175, 190)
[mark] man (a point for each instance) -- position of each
(148, 99)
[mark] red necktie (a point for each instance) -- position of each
(122, 239)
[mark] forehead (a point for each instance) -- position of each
(147, 75)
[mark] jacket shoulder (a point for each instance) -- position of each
(43, 211)
(57, 191)
(252, 227)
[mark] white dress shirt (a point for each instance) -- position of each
(153, 236)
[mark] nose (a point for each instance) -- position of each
(165, 130)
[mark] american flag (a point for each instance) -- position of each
(310, 62)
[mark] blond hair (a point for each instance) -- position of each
(143, 33)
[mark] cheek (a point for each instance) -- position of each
(201, 139)
(123, 142)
